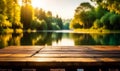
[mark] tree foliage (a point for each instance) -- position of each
(95, 17)
(2, 6)
(97, 24)
(52, 23)
(4, 23)
(25, 16)
(99, 12)
(112, 5)
(10, 14)
(38, 24)
(84, 16)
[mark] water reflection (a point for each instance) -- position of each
(96, 39)
(65, 40)
(4, 40)
(40, 38)
(58, 39)
(83, 39)
(16, 39)
(106, 39)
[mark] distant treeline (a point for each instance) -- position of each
(104, 15)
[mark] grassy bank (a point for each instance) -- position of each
(96, 31)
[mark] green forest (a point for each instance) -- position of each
(15, 18)
(104, 15)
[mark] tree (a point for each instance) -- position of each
(87, 18)
(26, 14)
(37, 24)
(49, 14)
(97, 24)
(55, 26)
(84, 16)
(2, 6)
(42, 14)
(115, 21)
(4, 23)
(66, 26)
(111, 5)
(105, 20)
(36, 12)
(10, 10)
(85, 6)
(53, 23)
(16, 15)
(99, 11)
(59, 22)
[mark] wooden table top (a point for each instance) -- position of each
(60, 55)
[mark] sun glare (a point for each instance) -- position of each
(20, 2)
(64, 42)
(39, 3)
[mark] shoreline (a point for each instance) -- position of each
(105, 31)
(99, 31)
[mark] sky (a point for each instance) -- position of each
(64, 8)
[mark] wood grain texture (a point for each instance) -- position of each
(60, 56)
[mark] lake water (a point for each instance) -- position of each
(58, 38)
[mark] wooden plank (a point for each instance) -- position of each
(19, 51)
(43, 55)
(56, 62)
(42, 60)
(78, 51)
(25, 47)
(105, 48)
(13, 59)
(81, 52)
(76, 55)
(4, 55)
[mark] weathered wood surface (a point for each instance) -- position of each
(60, 56)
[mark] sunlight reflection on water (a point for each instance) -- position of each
(64, 42)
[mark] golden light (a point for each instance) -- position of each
(20, 2)
(39, 3)
(64, 42)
